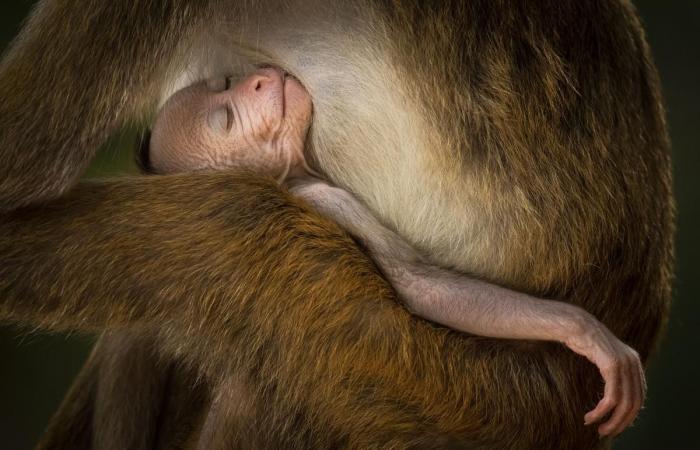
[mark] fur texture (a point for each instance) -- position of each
(521, 142)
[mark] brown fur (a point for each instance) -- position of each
(542, 164)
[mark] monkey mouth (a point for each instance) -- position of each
(285, 77)
(283, 74)
(287, 81)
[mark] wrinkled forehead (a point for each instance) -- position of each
(183, 103)
(180, 117)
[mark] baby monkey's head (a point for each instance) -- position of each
(260, 123)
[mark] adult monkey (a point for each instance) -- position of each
(512, 123)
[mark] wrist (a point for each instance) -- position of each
(576, 324)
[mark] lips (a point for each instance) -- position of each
(284, 77)
(289, 85)
(282, 74)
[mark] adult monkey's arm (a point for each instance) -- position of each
(247, 279)
(75, 73)
(121, 252)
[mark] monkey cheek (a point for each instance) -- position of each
(172, 158)
(163, 164)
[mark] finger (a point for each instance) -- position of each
(610, 395)
(638, 393)
(624, 403)
(643, 379)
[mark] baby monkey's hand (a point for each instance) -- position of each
(622, 371)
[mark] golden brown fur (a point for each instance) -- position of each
(523, 142)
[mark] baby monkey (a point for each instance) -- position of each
(261, 122)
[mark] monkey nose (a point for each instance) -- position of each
(265, 82)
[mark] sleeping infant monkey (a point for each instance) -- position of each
(261, 122)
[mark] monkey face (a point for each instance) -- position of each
(259, 123)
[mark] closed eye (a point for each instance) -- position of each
(221, 118)
(229, 116)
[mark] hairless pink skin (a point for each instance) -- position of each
(261, 123)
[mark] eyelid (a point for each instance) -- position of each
(216, 119)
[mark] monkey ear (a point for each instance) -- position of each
(143, 152)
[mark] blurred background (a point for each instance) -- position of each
(36, 369)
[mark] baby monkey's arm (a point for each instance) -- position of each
(478, 307)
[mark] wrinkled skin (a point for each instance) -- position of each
(259, 123)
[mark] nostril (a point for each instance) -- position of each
(258, 85)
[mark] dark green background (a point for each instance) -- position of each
(37, 369)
